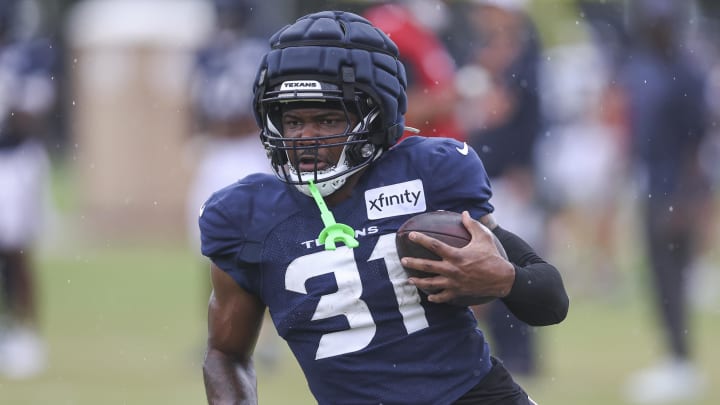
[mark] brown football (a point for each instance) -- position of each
(445, 226)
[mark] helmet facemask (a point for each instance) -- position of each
(298, 160)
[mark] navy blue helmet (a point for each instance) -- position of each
(339, 60)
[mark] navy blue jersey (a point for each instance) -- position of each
(361, 334)
(26, 85)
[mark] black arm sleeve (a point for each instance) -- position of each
(538, 295)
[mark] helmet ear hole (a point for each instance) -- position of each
(360, 152)
(278, 158)
(274, 149)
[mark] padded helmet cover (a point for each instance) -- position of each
(321, 46)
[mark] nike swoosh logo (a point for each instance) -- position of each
(464, 150)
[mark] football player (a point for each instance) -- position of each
(330, 99)
(27, 96)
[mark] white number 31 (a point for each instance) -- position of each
(346, 300)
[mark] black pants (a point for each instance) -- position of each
(670, 244)
(496, 388)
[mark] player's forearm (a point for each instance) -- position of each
(538, 296)
(227, 380)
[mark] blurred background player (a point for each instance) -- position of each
(226, 144)
(27, 95)
(586, 144)
(664, 88)
(432, 97)
(502, 117)
(221, 87)
(705, 274)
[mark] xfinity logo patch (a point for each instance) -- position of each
(395, 199)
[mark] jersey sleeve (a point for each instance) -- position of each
(224, 242)
(459, 180)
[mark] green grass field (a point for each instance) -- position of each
(125, 326)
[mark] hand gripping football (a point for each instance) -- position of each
(445, 226)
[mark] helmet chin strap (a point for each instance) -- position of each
(327, 187)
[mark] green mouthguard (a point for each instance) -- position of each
(333, 232)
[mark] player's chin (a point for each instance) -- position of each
(312, 167)
(311, 164)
